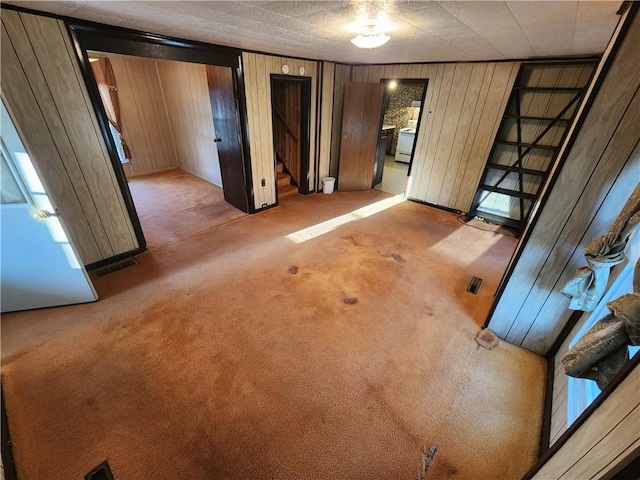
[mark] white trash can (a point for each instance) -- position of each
(328, 184)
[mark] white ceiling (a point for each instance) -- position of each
(425, 31)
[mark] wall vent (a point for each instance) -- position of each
(112, 268)
(474, 285)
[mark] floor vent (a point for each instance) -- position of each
(101, 472)
(114, 267)
(474, 285)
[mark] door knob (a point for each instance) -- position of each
(344, 137)
(40, 214)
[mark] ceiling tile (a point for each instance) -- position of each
(425, 31)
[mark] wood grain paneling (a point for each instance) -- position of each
(43, 89)
(605, 438)
(257, 78)
(186, 95)
(144, 116)
(599, 173)
(325, 119)
(342, 75)
(461, 113)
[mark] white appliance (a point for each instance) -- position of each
(406, 138)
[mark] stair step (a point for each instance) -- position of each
(287, 191)
(279, 166)
(284, 179)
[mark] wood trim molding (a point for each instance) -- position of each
(627, 468)
(547, 408)
(243, 116)
(8, 464)
(600, 399)
(103, 123)
(95, 36)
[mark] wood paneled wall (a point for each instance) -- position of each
(144, 115)
(186, 95)
(603, 440)
(460, 116)
(342, 75)
(599, 174)
(325, 119)
(43, 89)
(257, 77)
(286, 102)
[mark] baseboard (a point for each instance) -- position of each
(439, 207)
(115, 258)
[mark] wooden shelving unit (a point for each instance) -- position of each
(543, 104)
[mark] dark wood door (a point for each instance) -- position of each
(226, 123)
(361, 116)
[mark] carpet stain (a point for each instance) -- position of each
(91, 403)
(487, 339)
(354, 241)
(293, 270)
(350, 301)
(427, 458)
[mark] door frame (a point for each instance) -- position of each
(98, 37)
(385, 104)
(305, 131)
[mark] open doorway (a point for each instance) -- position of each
(161, 116)
(291, 107)
(402, 109)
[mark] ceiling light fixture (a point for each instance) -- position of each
(370, 37)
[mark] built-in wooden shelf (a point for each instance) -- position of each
(527, 145)
(512, 168)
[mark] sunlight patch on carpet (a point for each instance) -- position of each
(333, 223)
(472, 251)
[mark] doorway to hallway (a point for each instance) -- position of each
(291, 109)
(402, 110)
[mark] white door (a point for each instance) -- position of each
(39, 266)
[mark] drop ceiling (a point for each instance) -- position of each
(421, 31)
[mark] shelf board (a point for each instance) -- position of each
(549, 89)
(527, 145)
(524, 171)
(548, 119)
(506, 191)
(506, 221)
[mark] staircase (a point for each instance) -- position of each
(285, 188)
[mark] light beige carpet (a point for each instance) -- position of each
(233, 355)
